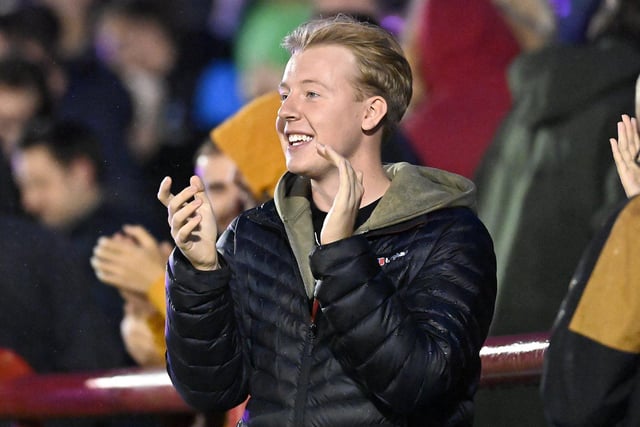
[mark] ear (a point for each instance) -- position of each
(376, 109)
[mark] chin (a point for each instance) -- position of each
(299, 169)
(294, 166)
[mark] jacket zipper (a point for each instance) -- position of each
(309, 343)
(303, 383)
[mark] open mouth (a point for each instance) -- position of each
(296, 139)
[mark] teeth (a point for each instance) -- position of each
(297, 139)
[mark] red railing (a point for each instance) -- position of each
(506, 360)
(513, 360)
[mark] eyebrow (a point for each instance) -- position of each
(283, 85)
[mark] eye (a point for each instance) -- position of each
(311, 94)
(283, 96)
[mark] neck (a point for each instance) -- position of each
(374, 181)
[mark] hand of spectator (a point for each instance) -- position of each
(193, 225)
(626, 152)
(137, 334)
(341, 218)
(131, 260)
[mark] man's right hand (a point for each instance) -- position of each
(193, 225)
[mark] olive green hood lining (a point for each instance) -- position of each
(414, 191)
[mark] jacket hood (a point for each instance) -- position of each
(558, 80)
(414, 191)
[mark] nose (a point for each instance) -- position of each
(288, 110)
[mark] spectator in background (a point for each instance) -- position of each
(75, 83)
(592, 366)
(47, 313)
(238, 170)
(75, 18)
(460, 69)
(24, 97)
(546, 181)
(567, 99)
(59, 172)
(135, 40)
(139, 41)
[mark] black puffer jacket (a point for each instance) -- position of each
(405, 307)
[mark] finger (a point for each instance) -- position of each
(626, 122)
(617, 157)
(186, 213)
(184, 196)
(111, 249)
(181, 207)
(328, 153)
(141, 236)
(184, 233)
(164, 191)
(196, 182)
(632, 133)
(106, 274)
(635, 140)
(343, 165)
(627, 148)
(622, 140)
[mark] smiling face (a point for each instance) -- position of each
(320, 105)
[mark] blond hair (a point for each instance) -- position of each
(383, 69)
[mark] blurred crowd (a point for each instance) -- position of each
(102, 99)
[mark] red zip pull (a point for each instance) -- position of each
(314, 310)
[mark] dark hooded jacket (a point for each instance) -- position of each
(544, 187)
(405, 305)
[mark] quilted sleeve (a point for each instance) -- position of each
(204, 352)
